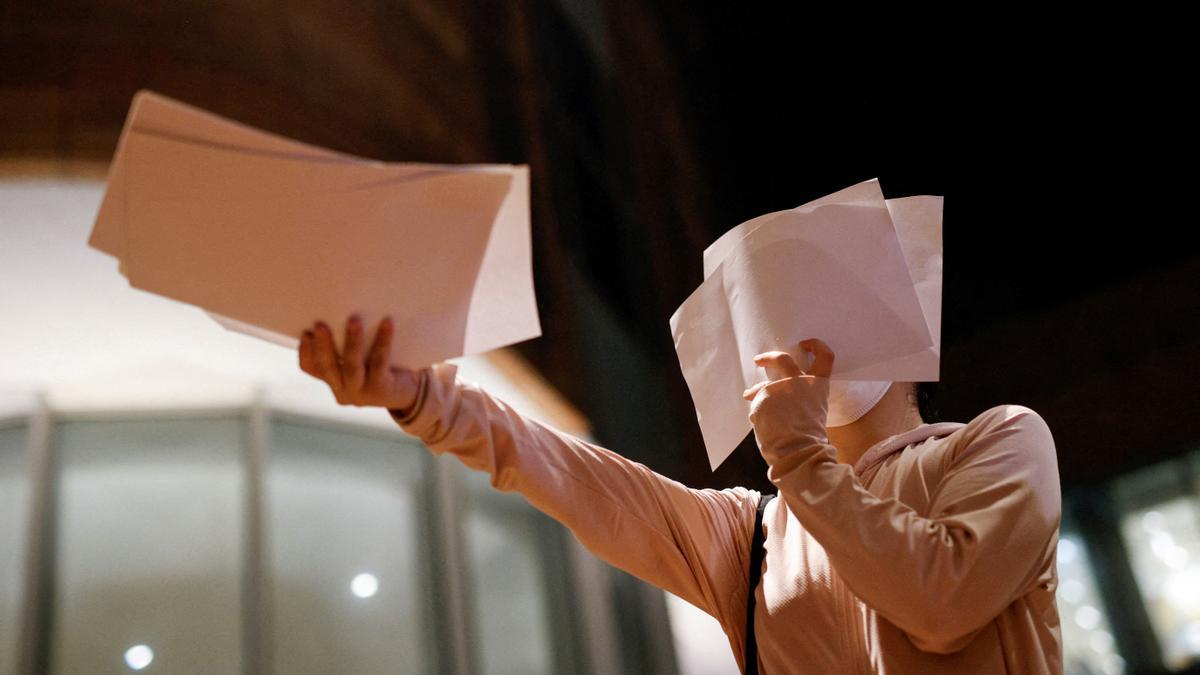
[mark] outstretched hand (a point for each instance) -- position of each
(785, 365)
(358, 379)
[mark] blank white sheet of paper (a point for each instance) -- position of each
(860, 272)
(268, 235)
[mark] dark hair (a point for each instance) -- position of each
(927, 402)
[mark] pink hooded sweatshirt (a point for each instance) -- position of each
(935, 553)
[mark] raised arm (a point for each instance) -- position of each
(693, 543)
(939, 577)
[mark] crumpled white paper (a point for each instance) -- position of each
(862, 273)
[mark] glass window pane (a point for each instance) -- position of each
(507, 581)
(148, 546)
(14, 516)
(701, 646)
(1088, 644)
(344, 517)
(1164, 550)
(1161, 531)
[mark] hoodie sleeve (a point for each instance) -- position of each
(693, 543)
(942, 577)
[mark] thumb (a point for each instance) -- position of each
(750, 393)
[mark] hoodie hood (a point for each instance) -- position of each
(892, 444)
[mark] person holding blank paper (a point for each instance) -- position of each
(896, 546)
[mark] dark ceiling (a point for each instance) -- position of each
(1071, 279)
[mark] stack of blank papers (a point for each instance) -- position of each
(269, 235)
(862, 273)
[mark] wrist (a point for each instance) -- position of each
(407, 411)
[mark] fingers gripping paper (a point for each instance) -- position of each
(862, 273)
(268, 235)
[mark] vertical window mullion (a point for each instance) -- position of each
(38, 588)
(595, 615)
(453, 620)
(256, 590)
(563, 605)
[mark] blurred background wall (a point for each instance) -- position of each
(1071, 287)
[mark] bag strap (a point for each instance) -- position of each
(757, 551)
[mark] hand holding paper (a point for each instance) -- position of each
(267, 234)
(861, 272)
(359, 376)
(782, 365)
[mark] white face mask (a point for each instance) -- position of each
(851, 399)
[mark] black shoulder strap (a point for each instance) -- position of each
(756, 561)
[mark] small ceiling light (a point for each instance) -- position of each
(364, 585)
(138, 657)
